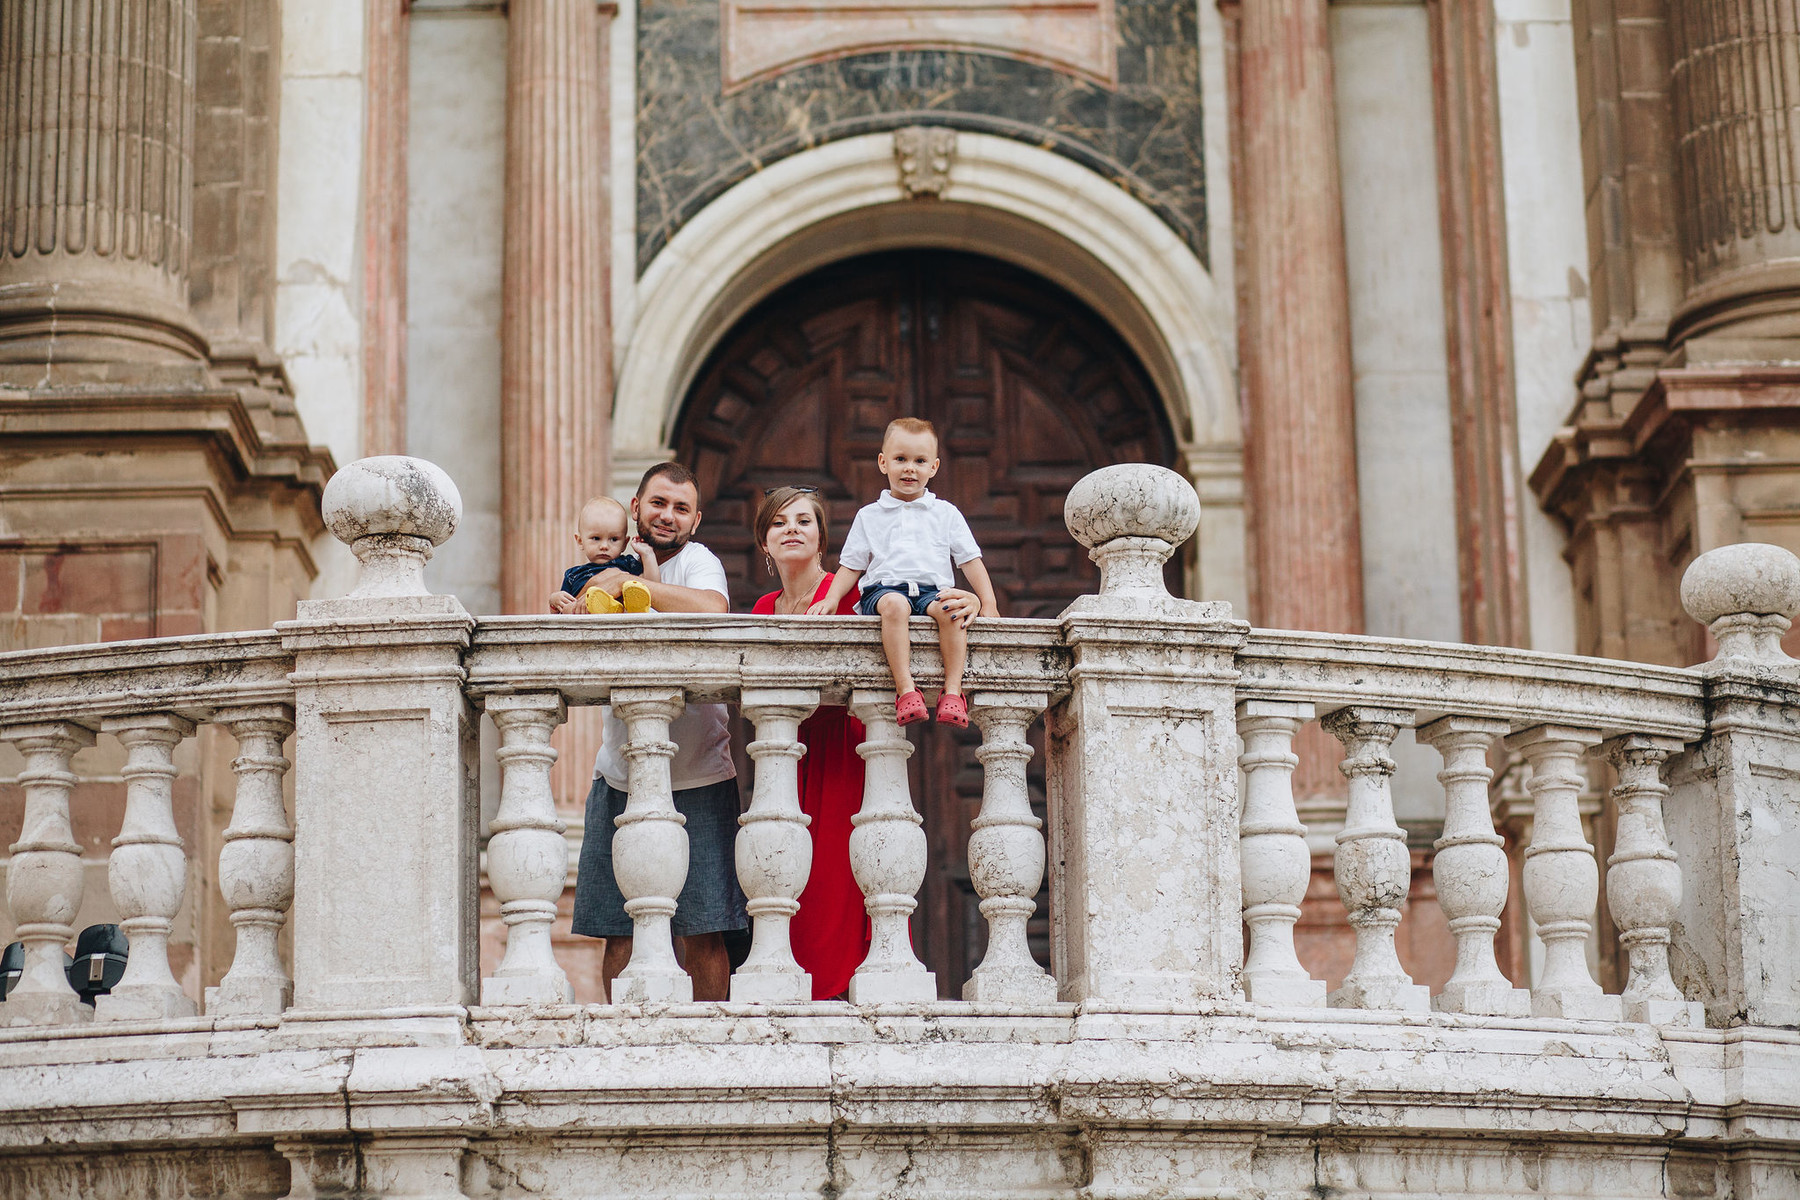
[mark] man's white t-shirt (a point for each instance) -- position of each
(702, 744)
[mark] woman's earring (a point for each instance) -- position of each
(769, 563)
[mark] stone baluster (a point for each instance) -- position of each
(1562, 879)
(1471, 869)
(256, 864)
(528, 859)
(650, 849)
(1643, 881)
(1374, 867)
(774, 851)
(1272, 854)
(44, 882)
(887, 856)
(1006, 851)
(148, 870)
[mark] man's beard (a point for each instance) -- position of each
(664, 549)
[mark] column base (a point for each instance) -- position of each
(1017, 986)
(1690, 1014)
(1385, 995)
(144, 1002)
(1577, 1005)
(41, 1009)
(771, 987)
(527, 989)
(653, 987)
(893, 987)
(1492, 999)
(250, 997)
(1285, 991)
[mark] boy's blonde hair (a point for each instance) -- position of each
(603, 504)
(910, 425)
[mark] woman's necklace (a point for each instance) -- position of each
(787, 607)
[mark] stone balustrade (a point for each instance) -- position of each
(1172, 828)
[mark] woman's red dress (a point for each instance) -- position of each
(831, 930)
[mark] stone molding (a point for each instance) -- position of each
(1080, 230)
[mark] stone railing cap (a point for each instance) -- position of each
(1132, 500)
(1748, 578)
(391, 494)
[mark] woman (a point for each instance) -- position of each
(830, 933)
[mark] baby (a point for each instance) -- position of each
(908, 543)
(601, 530)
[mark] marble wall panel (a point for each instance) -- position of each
(694, 141)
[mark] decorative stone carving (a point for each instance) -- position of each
(1562, 879)
(1131, 517)
(887, 856)
(1643, 882)
(650, 849)
(392, 511)
(1006, 851)
(1470, 869)
(43, 880)
(1273, 854)
(256, 865)
(148, 870)
(528, 858)
(924, 153)
(1374, 867)
(1747, 596)
(774, 850)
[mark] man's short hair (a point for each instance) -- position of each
(674, 472)
(910, 425)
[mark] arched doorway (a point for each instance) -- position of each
(1030, 390)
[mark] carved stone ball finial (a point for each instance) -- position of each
(391, 511)
(1131, 517)
(1747, 595)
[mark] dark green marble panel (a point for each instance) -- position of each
(694, 142)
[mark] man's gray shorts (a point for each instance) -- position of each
(711, 900)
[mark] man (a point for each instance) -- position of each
(667, 512)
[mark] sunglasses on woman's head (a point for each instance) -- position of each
(773, 490)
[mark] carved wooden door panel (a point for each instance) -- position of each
(1029, 391)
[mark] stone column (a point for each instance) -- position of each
(96, 216)
(556, 352)
(1300, 431)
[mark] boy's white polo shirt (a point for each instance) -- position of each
(908, 541)
(702, 740)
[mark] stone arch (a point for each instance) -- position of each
(1016, 202)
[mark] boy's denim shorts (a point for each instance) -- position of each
(927, 593)
(711, 900)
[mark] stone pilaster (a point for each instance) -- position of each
(384, 231)
(556, 352)
(97, 122)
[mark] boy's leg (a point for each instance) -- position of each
(895, 642)
(953, 640)
(708, 965)
(617, 957)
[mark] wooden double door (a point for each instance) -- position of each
(1029, 391)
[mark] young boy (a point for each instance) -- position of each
(908, 543)
(602, 532)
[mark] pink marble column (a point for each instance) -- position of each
(384, 232)
(1300, 432)
(556, 373)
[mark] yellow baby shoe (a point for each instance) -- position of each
(599, 602)
(637, 596)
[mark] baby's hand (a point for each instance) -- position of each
(821, 609)
(562, 602)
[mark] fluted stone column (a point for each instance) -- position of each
(1300, 435)
(556, 357)
(96, 216)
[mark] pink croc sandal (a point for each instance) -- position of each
(953, 710)
(909, 709)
